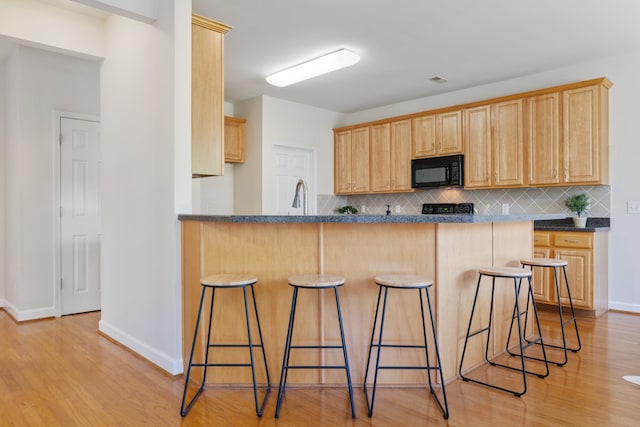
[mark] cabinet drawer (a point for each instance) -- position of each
(541, 239)
(574, 240)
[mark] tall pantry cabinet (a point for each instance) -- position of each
(207, 96)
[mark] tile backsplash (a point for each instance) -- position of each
(519, 200)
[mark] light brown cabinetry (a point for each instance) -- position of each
(493, 144)
(390, 164)
(380, 161)
(207, 96)
(585, 135)
(351, 161)
(567, 136)
(543, 139)
(234, 142)
(587, 270)
(437, 134)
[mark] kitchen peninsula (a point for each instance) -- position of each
(446, 248)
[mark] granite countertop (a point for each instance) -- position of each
(566, 224)
(370, 219)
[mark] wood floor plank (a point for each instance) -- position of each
(61, 372)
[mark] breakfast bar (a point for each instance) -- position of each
(446, 248)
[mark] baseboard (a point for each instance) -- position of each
(24, 315)
(623, 306)
(169, 364)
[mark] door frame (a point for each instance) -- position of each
(55, 215)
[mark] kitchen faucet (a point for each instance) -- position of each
(296, 198)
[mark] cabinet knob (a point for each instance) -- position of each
(555, 172)
(566, 174)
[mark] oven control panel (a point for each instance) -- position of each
(447, 208)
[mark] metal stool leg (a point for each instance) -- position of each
(444, 406)
(184, 410)
(379, 346)
(259, 407)
(344, 351)
(371, 345)
(287, 352)
(573, 313)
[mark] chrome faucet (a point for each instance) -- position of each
(296, 198)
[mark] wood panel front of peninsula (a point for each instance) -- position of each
(449, 253)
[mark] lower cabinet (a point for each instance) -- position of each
(586, 254)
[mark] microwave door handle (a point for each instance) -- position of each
(447, 174)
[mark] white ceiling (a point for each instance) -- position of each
(403, 43)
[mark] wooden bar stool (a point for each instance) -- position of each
(411, 282)
(227, 281)
(316, 282)
(517, 274)
(556, 264)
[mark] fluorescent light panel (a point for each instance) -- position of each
(324, 64)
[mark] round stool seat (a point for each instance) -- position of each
(543, 262)
(316, 281)
(228, 280)
(513, 272)
(403, 281)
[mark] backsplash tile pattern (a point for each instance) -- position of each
(520, 200)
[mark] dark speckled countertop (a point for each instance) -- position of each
(566, 224)
(370, 219)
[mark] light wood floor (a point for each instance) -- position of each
(61, 372)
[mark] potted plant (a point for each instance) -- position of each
(579, 203)
(347, 210)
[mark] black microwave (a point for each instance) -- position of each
(437, 172)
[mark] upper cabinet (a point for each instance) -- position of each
(373, 159)
(543, 139)
(351, 161)
(568, 136)
(548, 137)
(437, 134)
(207, 96)
(234, 143)
(585, 135)
(493, 145)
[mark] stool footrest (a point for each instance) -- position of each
(398, 346)
(423, 368)
(315, 367)
(316, 346)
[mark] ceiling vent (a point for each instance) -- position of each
(438, 79)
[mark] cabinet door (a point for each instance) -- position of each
(581, 135)
(424, 136)
(401, 155)
(543, 139)
(234, 139)
(449, 132)
(380, 158)
(477, 143)
(508, 144)
(579, 270)
(207, 97)
(342, 162)
(542, 280)
(360, 160)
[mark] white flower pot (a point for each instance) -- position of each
(579, 222)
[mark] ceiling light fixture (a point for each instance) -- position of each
(321, 65)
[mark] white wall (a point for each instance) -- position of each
(40, 83)
(270, 122)
(145, 181)
(45, 25)
(624, 286)
(3, 168)
(247, 185)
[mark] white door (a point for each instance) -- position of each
(80, 215)
(290, 165)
